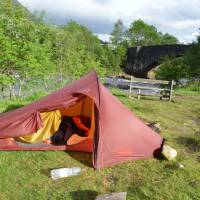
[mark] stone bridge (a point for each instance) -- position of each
(142, 59)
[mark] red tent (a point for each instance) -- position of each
(116, 134)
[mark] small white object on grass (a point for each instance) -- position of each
(181, 166)
(168, 152)
(64, 172)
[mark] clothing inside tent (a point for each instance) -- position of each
(84, 108)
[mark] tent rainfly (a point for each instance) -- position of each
(116, 135)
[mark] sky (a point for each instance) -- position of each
(178, 17)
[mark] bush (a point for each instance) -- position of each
(172, 69)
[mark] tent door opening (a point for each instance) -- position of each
(83, 109)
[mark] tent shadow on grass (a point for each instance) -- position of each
(83, 194)
(82, 157)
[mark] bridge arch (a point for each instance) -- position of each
(140, 60)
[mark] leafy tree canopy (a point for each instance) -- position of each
(143, 34)
(192, 59)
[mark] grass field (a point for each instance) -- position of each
(25, 175)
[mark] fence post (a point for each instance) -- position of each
(130, 87)
(171, 90)
(139, 92)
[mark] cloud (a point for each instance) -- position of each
(104, 37)
(178, 17)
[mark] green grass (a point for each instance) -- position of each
(193, 89)
(25, 175)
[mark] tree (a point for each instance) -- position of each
(25, 48)
(173, 69)
(117, 51)
(168, 39)
(192, 59)
(142, 34)
(77, 51)
(117, 35)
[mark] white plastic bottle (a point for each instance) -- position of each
(64, 172)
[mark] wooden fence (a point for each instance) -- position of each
(164, 89)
